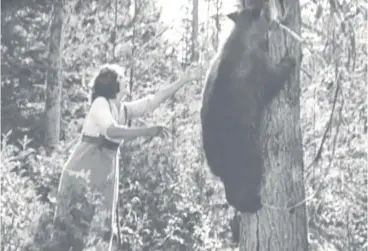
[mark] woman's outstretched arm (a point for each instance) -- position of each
(149, 103)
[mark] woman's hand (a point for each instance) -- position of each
(160, 131)
(192, 73)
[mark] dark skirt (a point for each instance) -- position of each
(96, 159)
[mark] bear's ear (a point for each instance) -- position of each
(233, 16)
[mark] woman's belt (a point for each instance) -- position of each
(101, 141)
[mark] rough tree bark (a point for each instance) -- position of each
(53, 78)
(277, 227)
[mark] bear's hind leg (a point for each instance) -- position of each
(212, 147)
(244, 173)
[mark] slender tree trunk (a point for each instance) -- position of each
(278, 227)
(195, 53)
(217, 22)
(54, 78)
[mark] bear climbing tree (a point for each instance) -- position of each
(240, 83)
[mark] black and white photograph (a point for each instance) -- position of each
(188, 125)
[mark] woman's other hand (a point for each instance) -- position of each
(161, 131)
(158, 131)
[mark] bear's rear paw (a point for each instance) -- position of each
(244, 204)
(249, 205)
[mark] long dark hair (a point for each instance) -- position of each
(105, 84)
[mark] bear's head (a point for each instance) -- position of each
(252, 24)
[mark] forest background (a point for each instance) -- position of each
(168, 198)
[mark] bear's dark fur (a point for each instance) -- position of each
(239, 85)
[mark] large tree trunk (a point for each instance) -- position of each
(278, 227)
(53, 79)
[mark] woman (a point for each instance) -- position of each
(97, 155)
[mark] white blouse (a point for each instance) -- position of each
(104, 113)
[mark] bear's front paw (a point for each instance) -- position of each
(288, 62)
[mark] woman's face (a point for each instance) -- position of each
(124, 88)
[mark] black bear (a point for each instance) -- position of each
(240, 83)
